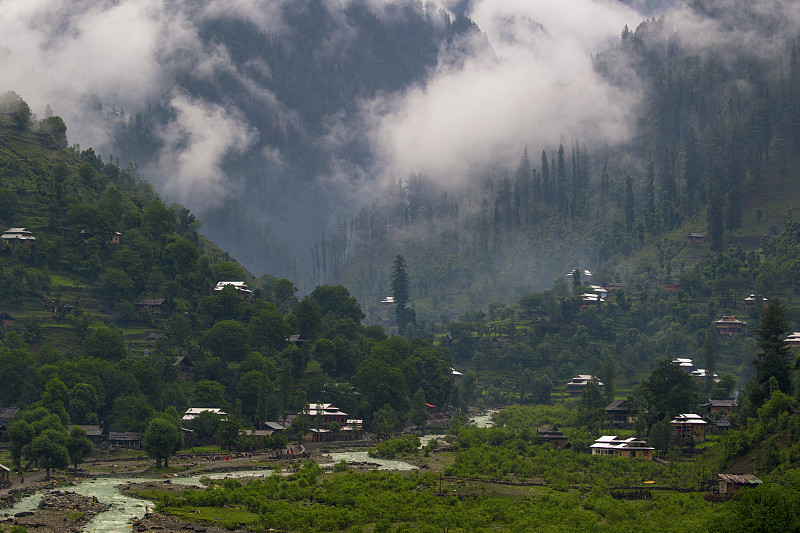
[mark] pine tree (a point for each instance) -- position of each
(773, 361)
(400, 292)
(716, 227)
(629, 212)
(546, 184)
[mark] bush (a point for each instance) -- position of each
(391, 448)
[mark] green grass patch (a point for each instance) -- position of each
(201, 449)
(229, 517)
(64, 281)
(75, 516)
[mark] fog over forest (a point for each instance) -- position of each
(219, 131)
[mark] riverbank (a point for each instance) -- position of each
(59, 511)
(140, 472)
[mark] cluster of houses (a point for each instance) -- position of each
(714, 417)
(321, 419)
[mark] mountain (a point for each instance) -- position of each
(318, 141)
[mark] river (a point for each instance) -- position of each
(484, 420)
(125, 508)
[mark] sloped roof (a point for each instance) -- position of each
(689, 418)
(8, 412)
(18, 233)
(739, 479)
(730, 402)
(192, 412)
(613, 442)
(618, 405)
(125, 435)
(148, 301)
(90, 429)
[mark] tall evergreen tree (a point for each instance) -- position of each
(629, 212)
(774, 358)
(561, 185)
(716, 227)
(546, 183)
(400, 290)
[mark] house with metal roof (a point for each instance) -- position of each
(240, 286)
(125, 439)
(630, 447)
(576, 385)
(689, 425)
(324, 414)
(620, 414)
(14, 236)
(157, 306)
(719, 406)
(729, 484)
(729, 326)
(192, 412)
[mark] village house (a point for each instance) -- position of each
(696, 238)
(701, 374)
(553, 435)
(185, 368)
(687, 365)
(385, 304)
(257, 434)
(793, 340)
(93, 432)
(13, 236)
(7, 320)
(726, 407)
(156, 306)
(293, 339)
(689, 425)
(5, 476)
(750, 302)
(125, 439)
(726, 485)
(590, 300)
(599, 290)
(498, 342)
(456, 375)
(240, 286)
(630, 447)
(620, 414)
(576, 386)
(6, 415)
(728, 326)
(612, 286)
(275, 427)
(324, 414)
(318, 435)
(192, 412)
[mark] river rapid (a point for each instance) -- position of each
(124, 508)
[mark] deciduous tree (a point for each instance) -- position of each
(79, 447)
(161, 440)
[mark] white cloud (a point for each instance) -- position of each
(541, 89)
(196, 142)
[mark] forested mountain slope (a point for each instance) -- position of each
(111, 312)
